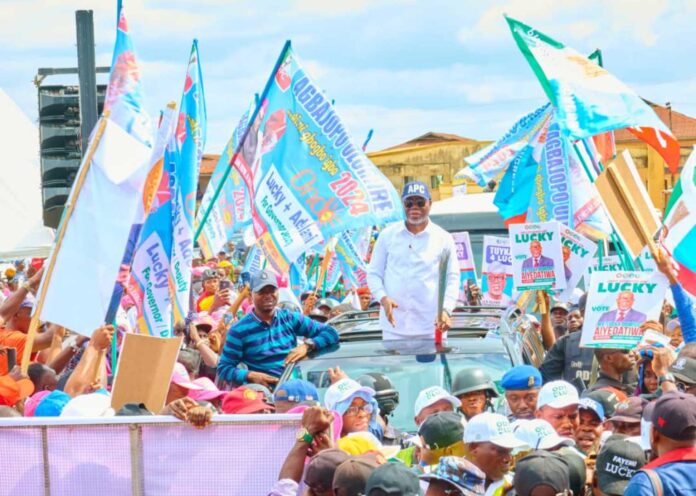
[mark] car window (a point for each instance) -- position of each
(409, 374)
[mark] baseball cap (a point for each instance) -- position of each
(244, 400)
(181, 378)
(630, 410)
(203, 319)
(342, 390)
(351, 476)
(684, 369)
(558, 394)
(133, 410)
(594, 406)
(560, 305)
(296, 391)
(262, 279)
(322, 467)
(224, 264)
(459, 473)
(96, 404)
(491, 428)
(520, 378)
(260, 388)
(608, 398)
(208, 391)
(210, 274)
(617, 461)
(538, 434)
(416, 188)
(441, 429)
(674, 416)
(33, 401)
(13, 391)
(541, 468)
(393, 478)
(431, 395)
(52, 405)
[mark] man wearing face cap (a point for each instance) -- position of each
(265, 339)
(403, 274)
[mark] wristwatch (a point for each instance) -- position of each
(665, 378)
(310, 342)
(303, 435)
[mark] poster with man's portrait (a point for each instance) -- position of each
(578, 253)
(496, 272)
(618, 303)
(467, 268)
(537, 258)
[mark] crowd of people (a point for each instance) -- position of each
(584, 422)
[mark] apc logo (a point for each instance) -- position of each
(416, 189)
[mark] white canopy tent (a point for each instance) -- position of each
(22, 233)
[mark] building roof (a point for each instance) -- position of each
(432, 138)
(208, 163)
(682, 126)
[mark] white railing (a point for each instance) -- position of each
(148, 456)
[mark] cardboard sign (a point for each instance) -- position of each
(537, 259)
(627, 202)
(144, 370)
(467, 269)
(496, 272)
(578, 254)
(618, 303)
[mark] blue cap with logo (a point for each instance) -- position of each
(262, 279)
(594, 406)
(416, 188)
(297, 391)
(521, 378)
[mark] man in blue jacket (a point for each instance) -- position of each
(673, 440)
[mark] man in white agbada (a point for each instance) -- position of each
(403, 271)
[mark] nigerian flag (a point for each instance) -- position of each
(680, 222)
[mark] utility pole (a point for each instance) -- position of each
(86, 70)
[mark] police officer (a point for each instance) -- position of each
(521, 385)
(387, 398)
(475, 390)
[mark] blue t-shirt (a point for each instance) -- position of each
(678, 478)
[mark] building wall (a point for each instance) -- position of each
(429, 163)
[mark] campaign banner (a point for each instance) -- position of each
(309, 179)
(349, 247)
(537, 260)
(496, 272)
(231, 211)
(609, 263)
(646, 260)
(467, 268)
(578, 255)
(618, 303)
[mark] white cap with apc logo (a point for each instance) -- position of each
(558, 394)
(492, 428)
(429, 396)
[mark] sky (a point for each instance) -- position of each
(400, 67)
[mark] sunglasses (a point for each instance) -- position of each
(684, 387)
(414, 203)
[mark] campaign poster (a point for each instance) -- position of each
(609, 263)
(496, 272)
(467, 269)
(618, 303)
(578, 253)
(537, 258)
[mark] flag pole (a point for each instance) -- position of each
(69, 208)
(228, 171)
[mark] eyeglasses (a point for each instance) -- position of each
(414, 203)
(354, 410)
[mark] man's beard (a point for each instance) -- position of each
(417, 222)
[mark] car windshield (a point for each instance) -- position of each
(409, 374)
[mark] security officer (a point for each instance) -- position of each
(521, 385)
(475, 390)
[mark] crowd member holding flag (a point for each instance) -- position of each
(265, 340)
(403, 272)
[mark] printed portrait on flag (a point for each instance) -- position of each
(537, 257)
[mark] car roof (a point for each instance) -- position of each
(370, 346)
